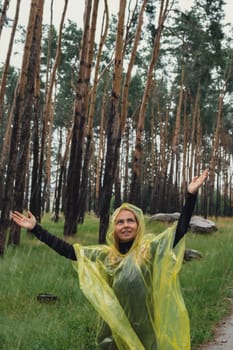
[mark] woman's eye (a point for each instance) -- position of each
(119, 222)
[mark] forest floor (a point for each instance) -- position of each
(223, 338)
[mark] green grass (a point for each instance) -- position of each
(69, 323)
(208, 283)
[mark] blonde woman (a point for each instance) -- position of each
(132, 281)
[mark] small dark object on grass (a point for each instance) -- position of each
(191, 254)
(46, 298)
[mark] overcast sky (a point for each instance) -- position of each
(75, 13)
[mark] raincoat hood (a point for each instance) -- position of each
(110, 237)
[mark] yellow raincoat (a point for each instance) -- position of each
(137, 294)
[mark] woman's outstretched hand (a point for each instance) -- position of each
(26, 222)
(197, 182)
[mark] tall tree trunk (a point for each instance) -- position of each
(116, 200)
(127, 157)
(216, 136)
(5, 153)
(227, 142)
(47, 180)
(61, 172)
(114, 128)
(48, 115)
(8, 56)
(13, 194)
(3, 14)
(28, 81)
(163, 150)
(101, 149)
(80, 119)
(153, 173)
(89, 138)
(174, 198)
(35, 196)
(135, 184)
(185, 150)
(36, 199)
(198, 154)
(130, 66)
(194, 131)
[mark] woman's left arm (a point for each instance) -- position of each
(187, 210)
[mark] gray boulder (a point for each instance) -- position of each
(197, 223)
(191, 254)
(166, 217)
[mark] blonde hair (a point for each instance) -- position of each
(137, 212)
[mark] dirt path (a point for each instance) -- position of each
(223, 339)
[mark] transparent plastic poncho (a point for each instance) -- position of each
(137, 295)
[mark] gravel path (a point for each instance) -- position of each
(223, 339)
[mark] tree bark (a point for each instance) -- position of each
(32, 57)
(135, 183)
(80, 119)
(3, 14)
(18, 157)
(89, 138)
(8, 56)
(113, 129)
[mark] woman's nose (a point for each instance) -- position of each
(125, 223)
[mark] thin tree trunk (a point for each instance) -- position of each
(126, 170)
(8, 56)
(216, 137)
(36, 199)
(185, 151)
(89, 145)
(3, 14)
(135, 184)
(130, 66)
(62, 170)
(174, 197)
(13, 194)
(80, 119)
(5, 153)
(193, 132)
(114, 129)
(33, 62)
(35, 195)
(101, 148)
(48, 114)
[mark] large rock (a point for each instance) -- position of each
(166, 217)
(197, 223)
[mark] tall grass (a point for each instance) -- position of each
(69, 323)
(208, 283)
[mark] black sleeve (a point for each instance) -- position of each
(185, 216)
(59, 245)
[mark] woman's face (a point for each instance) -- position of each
(125, 226)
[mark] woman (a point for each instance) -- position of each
(132, 281)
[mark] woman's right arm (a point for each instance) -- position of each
(59, 245)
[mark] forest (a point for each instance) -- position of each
(133, 115)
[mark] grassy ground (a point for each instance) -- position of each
(69, 323)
